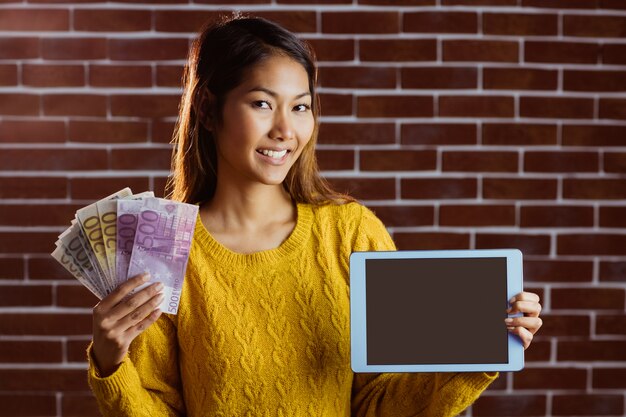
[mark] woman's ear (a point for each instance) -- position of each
(205, 109)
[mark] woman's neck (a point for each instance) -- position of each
(239, 209)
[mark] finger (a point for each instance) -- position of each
(128, 305)
(524, 296)
(529, 308)
(141, 312)
(525, 336)
(122, 291)
(144, 324)
(532, 324)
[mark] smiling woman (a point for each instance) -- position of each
(263, 133)
(263, 323)
(237, 65)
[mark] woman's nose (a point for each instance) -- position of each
(283, 126)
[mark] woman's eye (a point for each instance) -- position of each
(262, 103)
(306, 106)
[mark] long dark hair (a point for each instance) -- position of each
(218, 59)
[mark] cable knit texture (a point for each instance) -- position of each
(268, 334)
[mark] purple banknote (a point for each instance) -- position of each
(161, 246)
(127, 215)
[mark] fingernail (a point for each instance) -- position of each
(159, 286)
(508, 321)
(145, 277)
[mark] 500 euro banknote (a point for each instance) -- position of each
(97, 248)
(161, 247)
(126, 213)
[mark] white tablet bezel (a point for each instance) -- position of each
(358, 340)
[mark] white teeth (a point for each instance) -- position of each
(274, 154)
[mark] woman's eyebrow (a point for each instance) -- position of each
(274, 94)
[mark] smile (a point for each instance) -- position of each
(273, 154)
(273, 157)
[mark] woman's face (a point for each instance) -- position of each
(267, 122)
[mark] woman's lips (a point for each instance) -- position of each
(273, 161)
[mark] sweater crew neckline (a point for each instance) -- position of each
(227, 257)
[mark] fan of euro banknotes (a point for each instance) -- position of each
(126, 234)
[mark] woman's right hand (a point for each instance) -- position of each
(117, 321)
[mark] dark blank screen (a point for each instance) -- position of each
(436, 311)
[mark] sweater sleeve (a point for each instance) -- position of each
(372, 234)
(409, 394)
(147, 382)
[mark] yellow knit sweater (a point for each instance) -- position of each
(268, 334)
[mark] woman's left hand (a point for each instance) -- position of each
(527, 325)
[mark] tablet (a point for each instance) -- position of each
(434, 311)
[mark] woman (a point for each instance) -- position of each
(263, 323)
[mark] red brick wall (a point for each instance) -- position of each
(463, 124)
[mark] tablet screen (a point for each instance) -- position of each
(436, 311)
